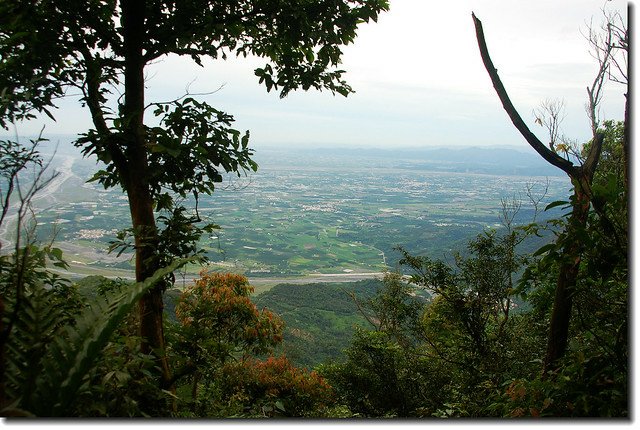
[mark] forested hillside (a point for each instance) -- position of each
(319, 318)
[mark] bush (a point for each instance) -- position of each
(275, 387)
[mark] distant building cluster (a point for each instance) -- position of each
(319, 207)
(97, 233)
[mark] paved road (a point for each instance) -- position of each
(77, 272)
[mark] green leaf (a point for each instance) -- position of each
(97, 176)
(556, 204)
(309, 56)
(245, 140)
(33, 330)
(108, 376)
(544, 249)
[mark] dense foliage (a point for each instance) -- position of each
(476, 351)
(104, 46)
(462, 337)
(274, 387)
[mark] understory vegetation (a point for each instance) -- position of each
(464, 337)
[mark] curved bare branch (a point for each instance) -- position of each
(546, 153)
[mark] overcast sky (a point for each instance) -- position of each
(418, 77)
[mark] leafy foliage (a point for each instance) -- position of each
(48, 47)
(122, 383)
(219, 320)
(592, 379)
(67, 353)
(380, 378)
(586, 385)
(37, 317)
(466, 351)
(218, 334)
(475, 301)
(446, 356)
(273, 388)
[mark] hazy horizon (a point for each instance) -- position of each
(67, 138)
(418, 77)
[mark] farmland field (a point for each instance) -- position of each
(305, 213)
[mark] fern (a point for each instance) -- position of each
(70, 356)
(32, 331)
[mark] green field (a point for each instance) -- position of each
(298, 220)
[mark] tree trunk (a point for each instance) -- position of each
(625, 147)
(567, 278)
(194, 390)
(582, 178)
(136, 181)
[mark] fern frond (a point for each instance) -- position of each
(33, 329)
(70, 357)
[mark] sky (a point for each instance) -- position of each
(418, 77)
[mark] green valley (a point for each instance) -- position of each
(309, 213)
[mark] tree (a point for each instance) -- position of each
(219, 333)
(382, 374)
(274, 388)
(591, 379)
(472, 303)
(218, 322)
(581, 175)
(443, 355)
(378, 377)
(102, 46)
(393, 310)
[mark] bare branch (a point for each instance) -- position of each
(15, 159)
(617, 29)
(609, 47)
(532, 140)
(550, 115)
(536, 200)
(510, 208)
(186, 94)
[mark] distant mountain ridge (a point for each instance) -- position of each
(488, 160)
(496, 160)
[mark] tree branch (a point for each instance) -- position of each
(92, 96)
(361, 310)
(186, 94)
(550, 156)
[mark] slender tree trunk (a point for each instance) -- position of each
(625, 146)
(194, 390)
(627, 104)
(567, 279)
(136, 182)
